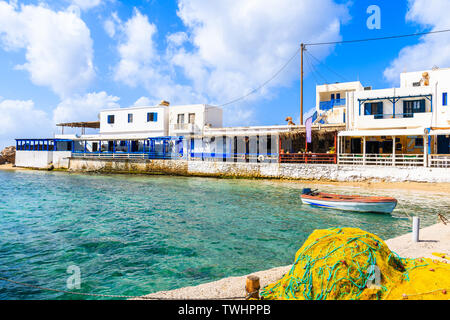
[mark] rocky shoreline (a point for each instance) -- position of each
(8, 155)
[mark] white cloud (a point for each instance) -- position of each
(137, 52)
(110, 25)
(57, 44)
(433, 49)
(227, 49)
(177, 39)
(20, 119)
(238, 45)
(141, 64)
(86, 4)
(143, 102)
(84, 108)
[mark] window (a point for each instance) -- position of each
(180, 118)
(130, 118)
(152, 116)
(110, 118)
(332, 96)
(413, 106)
(338, 96)
(444, 98)
(418, 142)
(192, 118)
(375, 109)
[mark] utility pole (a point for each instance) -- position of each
(302, 46)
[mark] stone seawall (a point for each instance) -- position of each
(325, 172)
(175, 167)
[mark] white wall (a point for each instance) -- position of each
(362, 121)
(33, 159)
(324, 92)
(139, 124)
(41, 159)
(61, 159)
(204, 115)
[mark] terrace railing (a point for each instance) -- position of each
(119, 156)
(328, 105)
(382, 159)
(439, 160)
(233, 157)
(315, 158)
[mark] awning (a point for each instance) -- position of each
(440, 132)
(384, 132)
(86, 124)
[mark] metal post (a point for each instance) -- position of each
(393, 151)
(335, 147)
(425, 150)
(302, 46)
(338, 149)
(364, 150)
(415, 229)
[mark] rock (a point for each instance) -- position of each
(8, 155)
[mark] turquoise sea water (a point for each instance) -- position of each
(134, 235)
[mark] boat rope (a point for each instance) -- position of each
(404, 210)
(118, 296)
(443, 218)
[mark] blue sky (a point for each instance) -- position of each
(66, 60)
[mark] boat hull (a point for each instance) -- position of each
(379, 207)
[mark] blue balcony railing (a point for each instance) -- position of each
(328, 105)
(393, 116)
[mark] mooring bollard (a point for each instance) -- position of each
(416, 228)
(252, 287)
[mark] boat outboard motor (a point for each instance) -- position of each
(306, 191)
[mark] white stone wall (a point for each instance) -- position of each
(326, 172)
(61, 159)
(33, 159)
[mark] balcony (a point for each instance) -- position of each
(398, 120)
(328, 105)
(184, 127)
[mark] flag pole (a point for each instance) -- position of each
(302, 46)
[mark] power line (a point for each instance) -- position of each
(375, 39)
(328, 43)
(266, 82)
(335, 72)
(314, 70)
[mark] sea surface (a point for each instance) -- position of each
(133, 235)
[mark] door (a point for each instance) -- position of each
(443, 145)
(372, 147)
(355, 145)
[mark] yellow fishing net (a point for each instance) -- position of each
(349, 263)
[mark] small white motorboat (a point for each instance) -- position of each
(349, 203)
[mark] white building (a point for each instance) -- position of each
(332, 99)
(409, 125)
(156, 132)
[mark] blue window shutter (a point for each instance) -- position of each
(155, 117)
(444, 98)
(380, 109)
(422, 105)
(367, 109)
